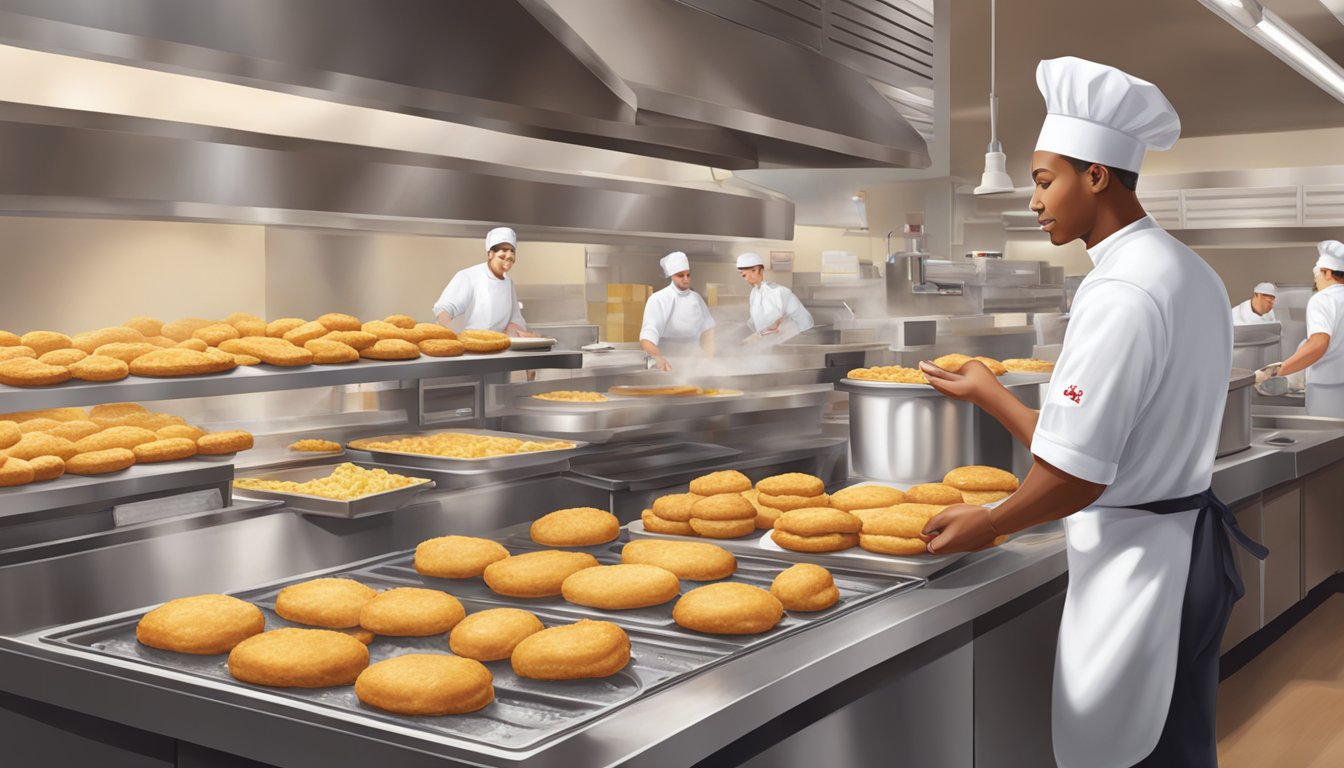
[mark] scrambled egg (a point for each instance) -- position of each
(457, 445)
(345, 483)
(573, 396)
(890, 373)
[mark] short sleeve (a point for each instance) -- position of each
(1321, 315)
(456, 297)
(651, 328)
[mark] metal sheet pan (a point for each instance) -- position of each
(559, 456)
(544, 342)
(373, 504)
(1010, 379)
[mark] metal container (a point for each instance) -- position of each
(372, 504)
(907, 433)
(1235, 432)
(1255, 346)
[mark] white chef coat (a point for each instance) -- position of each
(673, 315)
(490, 303)
(1242, 314)
(769, 302)
(1135, 402)
(1325, 314)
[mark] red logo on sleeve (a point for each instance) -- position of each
(1074, 393)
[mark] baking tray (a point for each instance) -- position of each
(525, 712)
(1010, 379)
(544, 342)
(556, 456)
(373, 504)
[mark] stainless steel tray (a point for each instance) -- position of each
(529, 343)
(372, 504)
(525, 712)
(1010, 379)
(533, 458)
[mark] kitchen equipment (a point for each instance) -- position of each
(558, 456)
(1255, 346)
(1234, 433)
(372, 504)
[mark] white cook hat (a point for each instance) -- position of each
(1332, 255)
(1269, 289)
(673, 263)
(748, 260)
(501, 235)
(1101, 115)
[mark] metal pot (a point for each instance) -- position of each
(1235, 432)
(1255, 346)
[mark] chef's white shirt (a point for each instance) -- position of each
(1136, 399)
(1325, 314)
(1242, 314)
(489, 302)
(768, 302)
(674, 314)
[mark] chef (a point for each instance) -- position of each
(774, 310)
(484, 294)
(1257, 309)
(1123, 444)
(676, 320)
(1322, 354)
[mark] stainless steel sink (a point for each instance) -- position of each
(1313, 441)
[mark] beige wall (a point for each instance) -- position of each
(1241, 269)
(1253, 150)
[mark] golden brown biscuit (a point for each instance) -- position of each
(337, 321)
(10, 433)
(194, 344)
(67, 356)
(980, 478)
(391, 349)
(306, 333)
(866, 497)
(981, 498)
(108, 413)
(164, 449)
(621, 587)
(765, 516)
(385, 330)
(356, 338)
(332, 603)
(202, 624)
(792, 484)
(269, 350)
(8, 339)
(400, 321)
(573, 651)
(429, 331)
(99, 368)
(727, 481)
(146, 326)
(181, 330)
(994, 366)
(220, 443)
(933, 493)
(331, 352)
(42, 342)
(47, 468)
(250, 328)
(15, 471)
(728, 608)
(239, 317)
(126, 351)
(815, 521)
(723, 529)
(150, 421)
(905, 520)
(161, 341)
(28, 372)
(952, 362)
(314, 446)
(535, 574)
(179, 362)
(242, 360)
(692, 560)
(426, 684)
(893, 545)
(100, 462)
(214, 335)
(12, 353)
(805, 587)
(484, 342)
(492, 634)
(411, 612)
(826, 542)
(59, 414)
(457, 557)
(34, 444)
(675, 507)
(180, 430)
(656, 524)
(278, 328)
(1028, 365)
(442, 347)
(115, 437)
(359, 633)
(724, 506)
(39, 425)
(299, 658)
(786, 503)
(576, 527)
(88, 342)
(73, 430)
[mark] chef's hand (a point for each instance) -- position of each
(660, 364)
(1267, 373)
(959, 528)
(972, 383)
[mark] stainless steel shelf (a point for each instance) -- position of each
(135, 481)
(265, 378)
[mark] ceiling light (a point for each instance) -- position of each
(1281, 39)
(995, 178)
(1242, 13)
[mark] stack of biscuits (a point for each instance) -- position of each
(816, 529)
(722, 512)
(778, 494)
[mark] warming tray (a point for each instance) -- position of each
(525, 712)
(373, 504)
(533, 458)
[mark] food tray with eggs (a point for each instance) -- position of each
(483, 441)
(373, 503)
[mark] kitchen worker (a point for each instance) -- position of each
(1123, 444)
(774, 310)
(1322, 354)
(484, 294)
(676, 320)
(1257, 309)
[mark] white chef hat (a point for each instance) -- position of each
(673, 263)
(500, 235)
(1332, 255)
(1269, 289)
(1101, 115)
(748, 260)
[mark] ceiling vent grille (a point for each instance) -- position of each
(888, 40)
(1322, 205)
(1236, 207)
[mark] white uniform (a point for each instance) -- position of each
(489, 303)
(1325, 377)
(1242, 314)
(769, 302)
(1135, 403)
(674, 320)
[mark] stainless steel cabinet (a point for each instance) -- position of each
(1246, 614)
(1281, 528)
(1322, 525)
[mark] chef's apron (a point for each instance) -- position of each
(1136, 672)
(680, 336)
(1325, 400)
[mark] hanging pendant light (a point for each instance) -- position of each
(995, 178)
